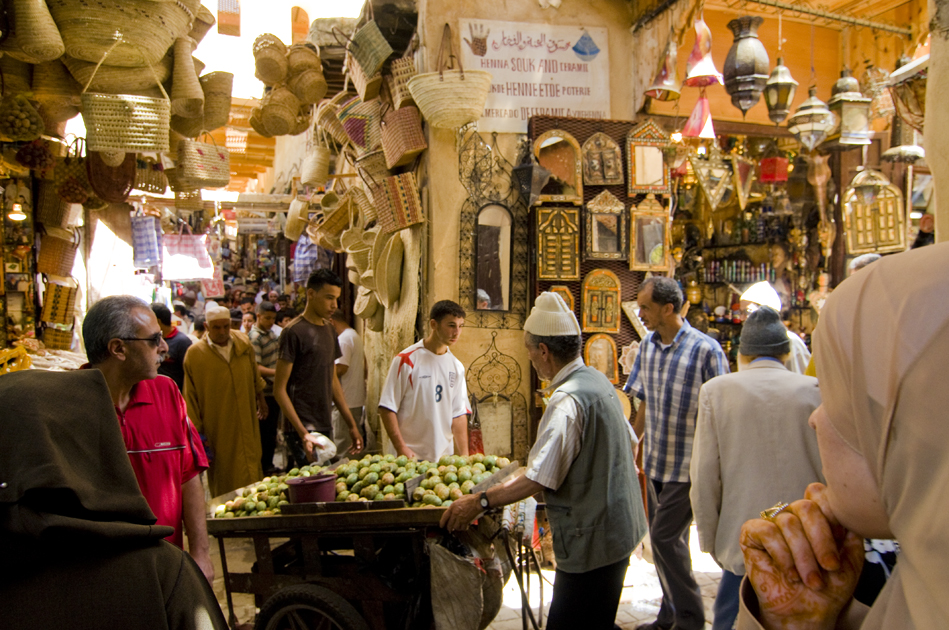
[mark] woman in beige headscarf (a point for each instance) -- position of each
(882, 351)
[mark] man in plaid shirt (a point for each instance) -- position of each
(673, 363)
(265, 341)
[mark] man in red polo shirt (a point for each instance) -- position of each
(124, 341)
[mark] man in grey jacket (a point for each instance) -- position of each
(753, 448)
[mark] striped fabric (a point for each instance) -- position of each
(668, 380)
(266, 350)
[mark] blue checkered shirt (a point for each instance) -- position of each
(266, 349)
(668, 380)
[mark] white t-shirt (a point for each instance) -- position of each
(354, 380)
(426, 391)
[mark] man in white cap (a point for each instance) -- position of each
(763, 294)
(583, 462)
(225, 396)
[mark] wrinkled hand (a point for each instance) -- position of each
(804, 566)
(203, 560)
(461, 512)
(357, 440)
(309, 443)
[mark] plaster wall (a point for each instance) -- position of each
(937, 115)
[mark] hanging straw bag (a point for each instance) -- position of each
(187, 97)
(372, 166)
(397, 203)
(327, 119)
(368, 46)
(59, 303)
(306, 73)
(360, 120)
(367, 86)
(450, 98)
(123, 122)
(55, 339)
(37, 35)
(57, 252)
(203, 21)
(315, 170)
(111, 183)
(51, 210)
(202, 164)
(279, 110)
(270, 59)
(17, 75)
(72, 184)
(402, 137)
(150, 176)
(403, 69)
(217, 87)
(56, 91)
(146, 240)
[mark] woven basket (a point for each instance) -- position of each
(203, 165)
(397, 203)
(111, 183)
(150, 176)
(217, 87)
(55, 339)
(50, 209)
(450, 98)
(116, 79)
(270, 58)
(123, 122)
(332, 223)
(72, 184)
(56, 256)
(279, 110)
(257, 123)
(17, 75)
(187, 97)
(372, 167)
(187, 127)
(403, 69)
(360, 120)
(56, 90)
(315, 169)
(147, 29)
(367, 86)
(36, 32)
(327, 120)
(59, 304)
(367, 211)
(308, 85)
(402, 137)
(189, 200)
(203, 21)
(303, 56)
(369, 48)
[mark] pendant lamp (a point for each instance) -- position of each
(853, 110)
(746, 66)
(700, 71)
(812, 122)
(699, 124)
(666, 86)
(779, 92)
(531, 178)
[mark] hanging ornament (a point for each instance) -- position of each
(818, 174)
(812, 122)
(667, 86)
(746, 66)
(852, 109)
(780, 88)
(699, 124)
(701, 71)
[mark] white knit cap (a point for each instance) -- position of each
(551, 317)
(764, 294)
(214, 311)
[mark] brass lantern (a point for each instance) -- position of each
(746, 66)
(852, 109)
(908, 87)
(812, 122)
(779, 92)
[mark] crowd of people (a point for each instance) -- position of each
(862, 442)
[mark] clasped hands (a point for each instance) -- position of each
(804, 565)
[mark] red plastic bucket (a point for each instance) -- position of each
(317, 489)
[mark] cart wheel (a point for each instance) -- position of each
(308, 607)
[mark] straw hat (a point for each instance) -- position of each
(388, 270)
(366, 303)
(377, 322)
(296, 220)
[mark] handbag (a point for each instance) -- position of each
(316, 164)
(402, 137)
(185, 257)
(397, 203)
(146, 240)
(202, 164)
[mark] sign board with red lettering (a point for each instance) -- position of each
(538, 70)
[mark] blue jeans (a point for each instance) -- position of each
(726, 602)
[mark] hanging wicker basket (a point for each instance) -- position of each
(368, 46)
(450, 98)
(315, 168)
(360, 120)
(279, 110)
(217, 88)
(367, 86)
(51, 210)
(270, 58)
(327, 120)
(17, 75)
(308, 85)
(56, 90)
(403, 69)
(117, 79)
(36, 33)
(187, 97)
(56, 255)
(203, 21)
(402, 137)
(150, 176)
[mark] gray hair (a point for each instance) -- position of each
(664, 291)
(564, 348)
(862, 261)
(109, 318)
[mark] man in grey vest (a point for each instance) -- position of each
(583, 462)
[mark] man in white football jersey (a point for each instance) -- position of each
(424, 402)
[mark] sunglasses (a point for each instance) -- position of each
(154, 340)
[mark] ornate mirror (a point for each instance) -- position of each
(605, 228)
(649, 236)
(714, 175)
(873, 215)
(647, 172)
(743, 173)
(558, 243)
(602, 161)
(600, 354)
(493, 258)
(564, 291)
(631, 308)
(601, 302)
(559, 153)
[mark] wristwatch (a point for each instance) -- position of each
(484, 501)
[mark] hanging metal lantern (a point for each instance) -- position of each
(666, 86)
(699, 124)
(812, 122)
(700, 70)
(531, 178)
(852, 109)
(746, 66)
(904, 145)
(779, 92)
(908, 87)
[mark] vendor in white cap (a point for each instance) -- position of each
(583, 462)
(763, 294)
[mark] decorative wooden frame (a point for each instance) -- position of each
(631, 308)
(648, 134)
(558, 243)
(510, 251)
(743, 173)
(650, 208)
(611, 370)
(564, 291)
(877, 228)
(602, 161)
(576, 171)
(605, 205)
(714, 188)
(601, 302)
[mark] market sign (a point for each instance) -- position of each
(538, 70)
(254, 225)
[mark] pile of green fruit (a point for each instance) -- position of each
(375, 478)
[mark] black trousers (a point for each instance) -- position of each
(587, 600)
(268, 433)
(670, 515)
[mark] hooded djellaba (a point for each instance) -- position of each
(79, 543)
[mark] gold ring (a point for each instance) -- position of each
(772, 512)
